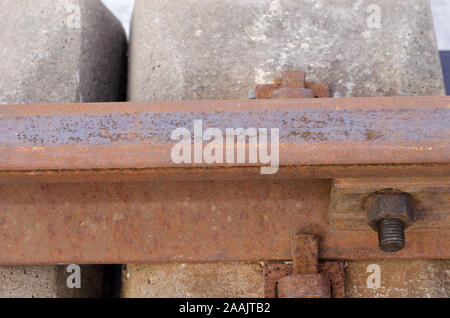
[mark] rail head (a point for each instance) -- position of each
(312, 133)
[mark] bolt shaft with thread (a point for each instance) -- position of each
(391, 235)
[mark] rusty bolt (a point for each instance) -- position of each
(390, 214)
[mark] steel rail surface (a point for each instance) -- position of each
(95, 183)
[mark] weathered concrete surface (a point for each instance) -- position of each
(418, 278)
(421, 278)
(51, 282)
(219, 49)
(193, 281)
(58, 51)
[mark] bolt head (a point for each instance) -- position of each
(380, 206)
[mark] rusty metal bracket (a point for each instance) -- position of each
(305, 277)
(292, 84)
(353, 206)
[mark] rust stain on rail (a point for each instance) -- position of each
(182, 222)
(96, 184)
(312, 132)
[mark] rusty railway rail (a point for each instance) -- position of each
(95, 183)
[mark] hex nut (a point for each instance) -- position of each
(381, 206)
